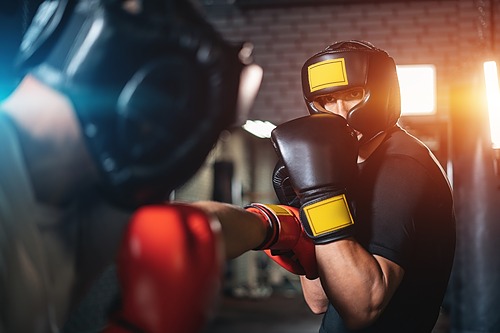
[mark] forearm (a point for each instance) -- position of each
(314, 295)
(241, 230)
(358, 284)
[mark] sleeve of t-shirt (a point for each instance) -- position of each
(399, 191)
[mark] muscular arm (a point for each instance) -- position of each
(358, 284)
(241, 230)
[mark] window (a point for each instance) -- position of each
(418, 89)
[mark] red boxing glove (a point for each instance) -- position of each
(169, 267)
(286, 242)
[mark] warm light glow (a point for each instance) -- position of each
(259, 128)
(493, 96)
(418, 89)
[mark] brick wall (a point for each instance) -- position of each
(452, 35)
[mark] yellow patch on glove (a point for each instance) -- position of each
(328, 215)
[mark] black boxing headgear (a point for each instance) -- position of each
(152, 87)
(350, 64)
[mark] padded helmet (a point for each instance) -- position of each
(349, 64)
(152, 88)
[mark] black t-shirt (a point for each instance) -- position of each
(404, 212)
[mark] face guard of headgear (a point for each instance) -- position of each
(355, 64)
(153, 86)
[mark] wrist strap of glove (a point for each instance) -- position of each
(266, 215)
(327, 220)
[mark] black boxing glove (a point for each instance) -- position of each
(283, 188)
(320, 153)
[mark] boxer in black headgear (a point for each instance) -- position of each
(379, 209)
(120, 103)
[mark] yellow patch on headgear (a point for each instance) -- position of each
(327, 73)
